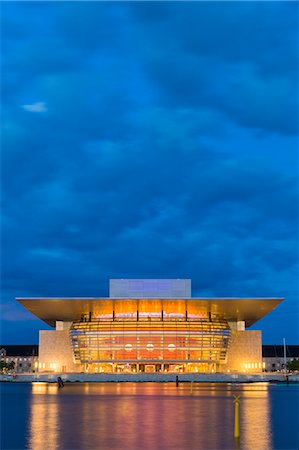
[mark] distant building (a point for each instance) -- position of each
(150, 325)
(25, 357)
(273, 356)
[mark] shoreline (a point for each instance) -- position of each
(152, 377)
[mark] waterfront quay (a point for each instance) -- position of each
(152, 377)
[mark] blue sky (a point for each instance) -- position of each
(150, 140)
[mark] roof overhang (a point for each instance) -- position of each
(52, 309)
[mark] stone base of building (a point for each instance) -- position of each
(245, 352)
(55, 352)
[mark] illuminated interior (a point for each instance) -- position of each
(129, 333)
(172, 341)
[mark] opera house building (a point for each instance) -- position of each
(150, 325)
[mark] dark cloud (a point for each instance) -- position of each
(165, 147)
(227, 56)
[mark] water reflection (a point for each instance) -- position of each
(256, 422)
(44, 418)
(147, 416)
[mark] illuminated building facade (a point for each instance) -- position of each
(24, 357)
(150, 326)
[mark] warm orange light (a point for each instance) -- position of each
(200, 341)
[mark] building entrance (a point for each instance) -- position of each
(150, 367)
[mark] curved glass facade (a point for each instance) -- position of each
(173, 341)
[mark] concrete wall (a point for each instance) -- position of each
(55, 352)
(154, 377)
(245, 352)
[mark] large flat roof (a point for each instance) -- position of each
(52, 309)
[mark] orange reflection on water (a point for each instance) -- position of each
(147, 416)
(43, 430)
(255, 417)
(44, 388)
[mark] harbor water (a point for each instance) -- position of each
(148, 416)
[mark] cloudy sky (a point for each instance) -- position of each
(149, 140)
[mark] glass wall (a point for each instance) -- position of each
(151, 340)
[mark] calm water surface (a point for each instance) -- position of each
(151, 416)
